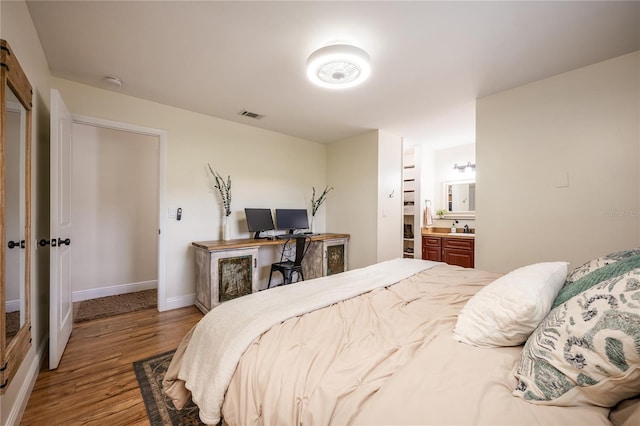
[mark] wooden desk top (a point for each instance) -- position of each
(252, 242)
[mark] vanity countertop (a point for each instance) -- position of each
(446, 232)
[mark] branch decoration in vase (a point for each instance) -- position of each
(316, 203)
(224, 189)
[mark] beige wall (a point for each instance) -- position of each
(351, 169)
(581, 126)
(436, 168)
(364, 170)
(444, 160)
(114, 207)
(259, 162)
(390, 210)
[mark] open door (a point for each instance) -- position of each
(61, 303)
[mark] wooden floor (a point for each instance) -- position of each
(95, 383)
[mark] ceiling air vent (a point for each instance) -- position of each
(250, 114)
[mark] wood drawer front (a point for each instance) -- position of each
(431, 241)
(458, 243)
(432, 253)
(459, 257)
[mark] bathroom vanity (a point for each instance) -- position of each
(442, 246)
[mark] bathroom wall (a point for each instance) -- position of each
(437, 168)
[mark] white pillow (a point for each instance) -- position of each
(506, 312)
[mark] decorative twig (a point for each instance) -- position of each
(315, 204)
(224, 188)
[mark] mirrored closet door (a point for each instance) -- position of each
(15, 213)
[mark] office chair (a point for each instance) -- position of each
(288, 267)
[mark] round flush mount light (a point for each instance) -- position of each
(338, 66)
(113, 81)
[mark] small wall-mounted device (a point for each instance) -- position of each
(179, 213)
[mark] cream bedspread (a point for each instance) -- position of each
(385, 357)
(216, 344)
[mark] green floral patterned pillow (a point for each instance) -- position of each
(587, 350)
(599, 262)
(596, 277)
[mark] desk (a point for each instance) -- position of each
(229, 269)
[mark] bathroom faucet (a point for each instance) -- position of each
(466, 229)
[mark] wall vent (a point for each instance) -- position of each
(250, 114)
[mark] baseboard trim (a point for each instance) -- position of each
(180, 302)
(114, 290)
(17, 411)
(172, 303)
(12, 305)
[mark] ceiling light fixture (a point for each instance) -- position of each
(113, 81)
(338, 66)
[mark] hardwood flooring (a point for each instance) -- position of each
(95, 383)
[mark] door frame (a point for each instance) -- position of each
(162, 184)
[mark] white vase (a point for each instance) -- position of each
(226, 229)
(313, 224)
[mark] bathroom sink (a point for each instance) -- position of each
(461, 233)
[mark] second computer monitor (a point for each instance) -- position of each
(292, 219)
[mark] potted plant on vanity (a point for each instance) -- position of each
(224, 189)
(440, 213)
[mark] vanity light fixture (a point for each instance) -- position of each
(465, 168)
(338, 66)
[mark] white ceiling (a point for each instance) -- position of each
(430, 60)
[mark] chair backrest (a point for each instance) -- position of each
(301, 250)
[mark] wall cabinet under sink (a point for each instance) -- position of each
(452, 250)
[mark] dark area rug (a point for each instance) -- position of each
(160, 409)
(101, 307)
(12, 324)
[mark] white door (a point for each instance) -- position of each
(61, 304)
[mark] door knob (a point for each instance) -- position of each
(13, 244)
(43, 242)
(55, 242)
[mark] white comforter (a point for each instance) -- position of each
(222, 336)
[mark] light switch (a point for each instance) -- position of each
(172, 213)
(562, 180)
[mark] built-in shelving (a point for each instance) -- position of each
(411, 205)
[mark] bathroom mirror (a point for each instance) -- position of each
(15, 213)
(460, 198)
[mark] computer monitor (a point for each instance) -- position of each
(292, 219)
(259, 220)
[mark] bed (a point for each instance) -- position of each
(410, 342)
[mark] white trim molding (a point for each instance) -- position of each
(181, 301)
(162, 190)
(114, 290)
